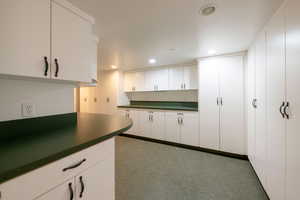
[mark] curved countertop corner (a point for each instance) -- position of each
(24, 154)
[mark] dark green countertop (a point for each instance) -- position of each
(163, 105)
(183, 108)
(29, 152)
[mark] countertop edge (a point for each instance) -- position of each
(9, 175)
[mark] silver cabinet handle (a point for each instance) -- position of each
(221, 101)
(287, 106)
(217, 100)
(184, 86)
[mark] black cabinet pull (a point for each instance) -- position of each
(82, 187)
(285, 110)
(74, 166)
(281, 111)
(57, 67)
(46, 66)
(71, 191)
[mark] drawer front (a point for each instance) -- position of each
(39, 181)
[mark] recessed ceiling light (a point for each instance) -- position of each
(152, 61)
(113, 66)
(212, 52)
(208, 9)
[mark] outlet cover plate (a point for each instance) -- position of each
(28, 110)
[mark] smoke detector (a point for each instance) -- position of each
(208, 9)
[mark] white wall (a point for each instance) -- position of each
(49, 98)
(94, 99)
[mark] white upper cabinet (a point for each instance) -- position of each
(25, 37)
(176, 78)
(190, 77)
(156, 80)
(134, 81)
(34, 30)
(71, 39)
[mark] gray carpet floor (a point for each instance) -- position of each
(151, 171)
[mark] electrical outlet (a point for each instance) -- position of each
(28, 110)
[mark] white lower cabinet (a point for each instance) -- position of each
(88, 174)
(62, 192)
(182, 127)
(152, 124)
(134, 116)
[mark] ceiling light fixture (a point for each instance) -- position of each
(152, 61)
(208, 9)
(113, 66)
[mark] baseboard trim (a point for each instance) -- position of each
(259, 181)
(222, 153)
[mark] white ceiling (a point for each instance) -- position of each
(132, 31)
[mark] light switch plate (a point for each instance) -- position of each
(28, 110)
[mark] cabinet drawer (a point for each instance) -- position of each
(39, 181)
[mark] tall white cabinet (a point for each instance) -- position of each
(221, 103)
(275, 150)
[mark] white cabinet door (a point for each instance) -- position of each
(25, 37)
(98, 182)
(172, 127)
(189, 133)
(134, 81)
(129, 82)
(209, 112)
(71, 37)
(61, 192)
(190, 77)
(261, 112)
(293, 97)
(251, 110)
(232, 105)
(146, 124)
(158, 125)
(176, 78)
(162, 79)
(276, 96)
(150, 82)
(134, 116)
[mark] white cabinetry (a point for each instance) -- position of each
(71, 38)
(276, 144)
(61, 179)
(64, 191)
(152, 124)
(183, 78)
(221, 102)
(134, 115)
(182, 128)
(25, 37)
(134, 81)
(278, 170)
(156, 80)
(31, 29)
(172, 78)
(292, 99)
